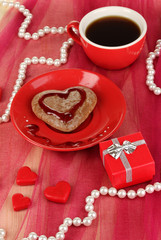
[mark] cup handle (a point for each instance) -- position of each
(75, 36)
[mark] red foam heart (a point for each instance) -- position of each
(20, 202)
(26, 177)
(58, 193)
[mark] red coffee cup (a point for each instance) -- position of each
(115, 57)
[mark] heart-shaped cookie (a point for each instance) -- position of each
(58, 193)
(26, 177)
(64, 110)
(20, 202)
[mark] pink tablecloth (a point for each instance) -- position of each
(117, 219)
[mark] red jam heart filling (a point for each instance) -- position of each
(67, 116)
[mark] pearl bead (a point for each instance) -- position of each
(131, 194)
(157, 91)
(16, 87)
(22, 30)
(9, 104)
(149, 60)
(63, 60)
(26, 12)
(19, 81)
(11, 4)
(35, 60)
(92, 215)
(57, 63)
(63, 228)
(149, 66)
(46, 29)
(157, 186)
(22, 70)
(60, 236)
(141, 192)
(41, 32)
(53, 30)
(24, 238)
(70, 41)
(152, 86)
(112, 191)
(150, 77)
(27, 36)
(14, 93)
(77, 221)
(4, 4)
(89, 207)
(87, 221)
(65, 45)
(17, 5)
(27, 61)
(35, 36)
(95, 193)
(23, 65)
(157, 52)
(29, 16)
(89, 199)
(63, 55)
(103, 190)
(21, 34)
(60, 30)
(49, 61)
(7, 111)
(151, 72)
(21, 76)
(42, 237)
(158, 46)
(21, 8)
(2, 232)
(159, 41)
(42, 60)
(32, 236)
(51, 238)
(27, 20)
(121, 193)
(63, 50)
(152, 55)
(5, 118)
(149, 82)
(68, 221)
(24, 25)
(149, 188)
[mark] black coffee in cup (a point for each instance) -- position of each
(112, 31)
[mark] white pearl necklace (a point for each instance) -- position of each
(131, 194)
(34, 60)
(150, 68)
(89, 208)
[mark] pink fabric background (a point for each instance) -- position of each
(117, 219)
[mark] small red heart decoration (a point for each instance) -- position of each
(20, 202)
(26, 177)
(58, 193)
